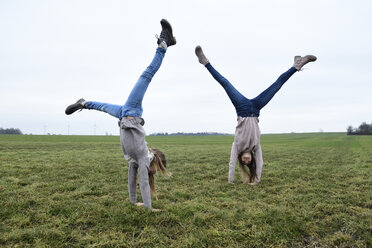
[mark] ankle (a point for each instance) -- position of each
(163, 44)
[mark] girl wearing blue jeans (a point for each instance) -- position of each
(142, 160)
(246, 147)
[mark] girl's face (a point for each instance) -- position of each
(247, 158)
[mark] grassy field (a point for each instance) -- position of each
(71, 191)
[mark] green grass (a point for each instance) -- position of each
(71, 191)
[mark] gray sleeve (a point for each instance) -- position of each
(143, 174)
(132, 181)
(259, 162)
(232, 163)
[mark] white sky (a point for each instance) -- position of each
(54, 52)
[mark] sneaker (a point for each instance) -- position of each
(166, 34)
(80, 104)
(199, 53)
(299, 61)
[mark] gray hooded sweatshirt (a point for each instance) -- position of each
(134, 146)
(247, 137)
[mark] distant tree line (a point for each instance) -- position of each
(10, 131)
(189, 134)
(363, 129)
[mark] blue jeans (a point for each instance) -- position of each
(250, 107)
(133, 105)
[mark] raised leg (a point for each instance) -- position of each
(108, 108)
(262, 99)
(243, 105)
(240, 102)
(133, 105)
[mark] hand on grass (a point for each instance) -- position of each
(140, 204)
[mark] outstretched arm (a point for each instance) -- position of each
(232, 163)
(143, 174)
(132, 181)
(259, 162)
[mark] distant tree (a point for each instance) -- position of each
(363, 129)
(350, 130)
(10, 131)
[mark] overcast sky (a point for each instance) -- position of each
(54, 52)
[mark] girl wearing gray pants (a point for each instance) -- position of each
(142, 161)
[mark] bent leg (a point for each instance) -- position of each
(133, 105)
(108, 108)
(238, 100)
(261, 100)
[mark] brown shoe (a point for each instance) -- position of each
(299, 61)
(199, 53)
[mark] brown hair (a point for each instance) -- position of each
(252, 175)
(158, 163)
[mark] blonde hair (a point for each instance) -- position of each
(158, 163)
